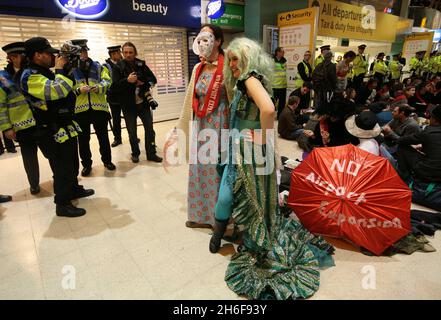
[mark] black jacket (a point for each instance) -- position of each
(302, 72)
(125, 91)
(430, 165)
(112, 97)
(288, 123)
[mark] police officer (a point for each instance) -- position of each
(91, 83)
(395, 68)
(280, 83)
(360, 67)
(380, 69)
(321, 58)
(52, 103)
(111, 63)
(417, 64)
(21, 125)
(304, 70)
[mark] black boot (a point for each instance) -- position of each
(70, 211)
(219, 229)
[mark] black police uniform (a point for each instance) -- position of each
(63, 157)
(25, 137)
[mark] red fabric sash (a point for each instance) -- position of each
(214, 90)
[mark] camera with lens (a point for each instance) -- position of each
(72, 54)
(151, 102)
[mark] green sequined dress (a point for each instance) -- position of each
(279, 258)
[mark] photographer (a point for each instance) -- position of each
(133, 80)
(91, 107)
(52, 103)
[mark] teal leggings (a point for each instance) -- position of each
(225, 199)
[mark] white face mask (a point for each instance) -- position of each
(203, 44)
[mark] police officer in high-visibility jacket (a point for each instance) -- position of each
(92, 81)
(304, 70)
(395, 68)
(280, 82)
(417, 64)
(52, 103)
(360, 67)
(380, 69)
(321, 58)
(21, 125)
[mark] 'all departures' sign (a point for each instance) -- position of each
(84, 8)
(215, 9)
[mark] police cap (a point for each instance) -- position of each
(114, 49)
(15, 47)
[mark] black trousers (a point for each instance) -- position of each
(64, 162)
(280, 98)
(99, 120)
(9, 144)
(116, 120)
(408, 157)
(29, 155)
(131, 115)
(357, 82)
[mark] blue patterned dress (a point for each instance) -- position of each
(204, 179)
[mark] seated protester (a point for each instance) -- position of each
(365, 127)
(311, 137)
(334, 124)
(436, 96)
(402, 125)
(288, 126)
(420, 100)
(304, 93)
(402, 97)
(383, 94)
(424, 162)
(350, 95)
(366, 93)
(382, 112)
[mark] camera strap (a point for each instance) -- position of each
(214, 90)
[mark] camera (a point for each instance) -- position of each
(151, 102)
(72, 54)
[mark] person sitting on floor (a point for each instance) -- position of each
(419, 154)
(402, 124)
(365, 127)
(289, 127)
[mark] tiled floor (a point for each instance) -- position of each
(133, 244)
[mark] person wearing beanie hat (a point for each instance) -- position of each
(422, 163)
(366, 128)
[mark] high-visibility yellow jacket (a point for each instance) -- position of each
(417, 66)
(49, 96)
(14, 109)
(99, 76)
(360, 65)
(395, 68)
(299, 81)
(380, 67)
(318, 60)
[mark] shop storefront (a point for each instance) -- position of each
(342, 26)
(158, 29)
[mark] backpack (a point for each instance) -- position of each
(319, 76)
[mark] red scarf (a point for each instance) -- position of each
(214, 90)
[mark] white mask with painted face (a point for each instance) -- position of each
(203, 44)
